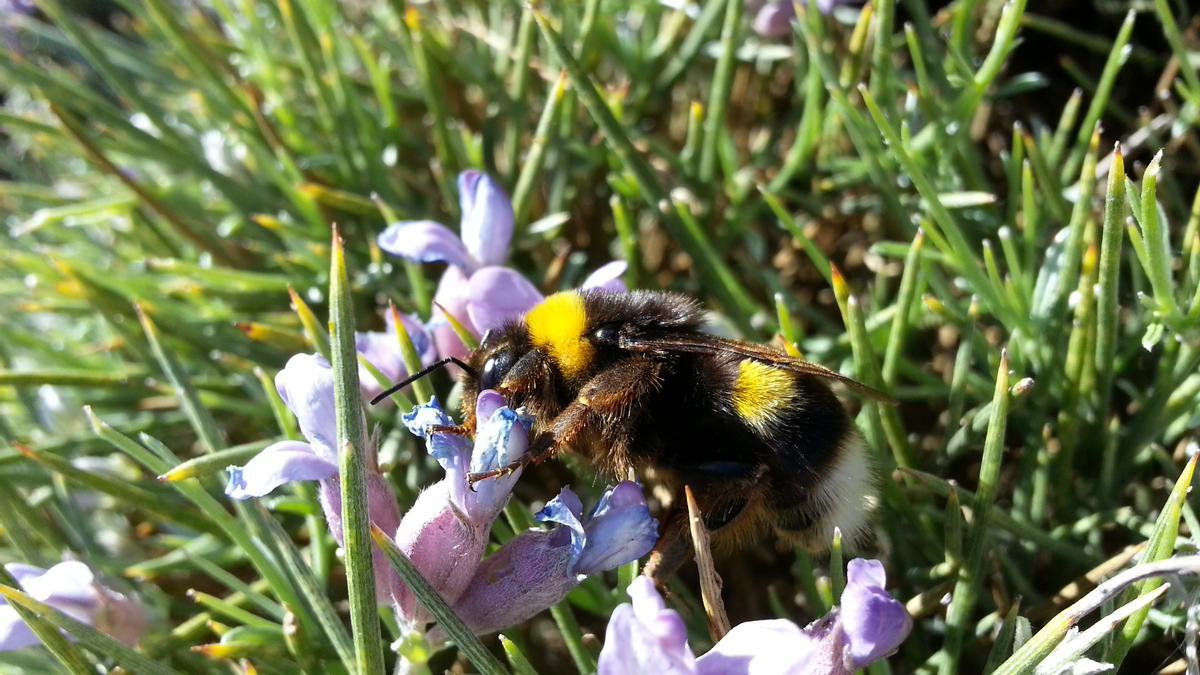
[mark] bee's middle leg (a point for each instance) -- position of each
(731, 508)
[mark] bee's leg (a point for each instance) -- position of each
(450, 429)
(729, 503)
(542, 449)
(607, 399)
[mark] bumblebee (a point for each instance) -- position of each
(632, 383)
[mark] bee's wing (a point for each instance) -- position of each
(700, 343)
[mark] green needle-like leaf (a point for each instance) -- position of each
(354, 463)
(470, 645)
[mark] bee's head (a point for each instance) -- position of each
(497, 353)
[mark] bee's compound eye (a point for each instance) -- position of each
(607, 335)
(494, 370)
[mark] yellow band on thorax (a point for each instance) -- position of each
(557, 326)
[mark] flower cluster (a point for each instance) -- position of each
(648, 637)
(446, 531)
(476, 288)
(71, 588)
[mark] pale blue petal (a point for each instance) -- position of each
(487, 217)
(22, 572)
(421, 418)
(277, 464)
(620, 530)
(425, 241)
(566, 509)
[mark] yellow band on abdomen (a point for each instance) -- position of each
(761, 393)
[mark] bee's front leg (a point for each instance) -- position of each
(450, 429)
(543, 448)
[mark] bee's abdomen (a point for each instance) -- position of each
(839, 497)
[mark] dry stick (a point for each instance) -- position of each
(710, 583)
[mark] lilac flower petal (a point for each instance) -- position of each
(67, 586)
(487, 217)
(619, 530)
(71, 588)
(22, 572)
(278, 463)
(875, 623)
(607, 277)
(526, 576)
(775, 19)
(443, 544)
(425, 241)
(452, 295)
(646, 637)
(774, 646)
(487, 403)
(382, 510)
(14, 634)
(864, 572)
(121, 617)
(306, 386)
(67, 583)
(498, 294)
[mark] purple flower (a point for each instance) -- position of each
(382, 350)
(646, 636)
(485, 232)
(446, 531)
(537, 569)
(71, 588)
(773, 18)
(476, 289)
(306, 386)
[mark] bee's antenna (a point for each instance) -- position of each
(436, 365)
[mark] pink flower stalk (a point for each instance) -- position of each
(476, 289)
(447, 530)
(645, 636)
(71, 588)
(306, 386)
